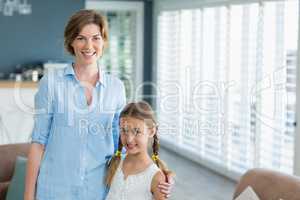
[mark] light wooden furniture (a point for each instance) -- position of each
(270, 185)
(8, 155)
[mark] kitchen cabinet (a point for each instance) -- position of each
(16, 111)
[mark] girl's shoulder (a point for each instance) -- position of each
(158, 178)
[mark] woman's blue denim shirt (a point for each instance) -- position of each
(78, 138)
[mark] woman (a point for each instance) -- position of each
(76, 125)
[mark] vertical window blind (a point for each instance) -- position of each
(124, 56)
(227, 82)
(119, 58)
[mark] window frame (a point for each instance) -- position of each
(171, 5)
(297, 136)
(139, 42)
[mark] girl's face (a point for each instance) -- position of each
(135, 134)
(88, 45)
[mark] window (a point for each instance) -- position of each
(124, 56)
(227, 82)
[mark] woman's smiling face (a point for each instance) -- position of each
(88, 45)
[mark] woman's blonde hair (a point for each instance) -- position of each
(76, 23)
(143, 111)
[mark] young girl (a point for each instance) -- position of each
(137, 176)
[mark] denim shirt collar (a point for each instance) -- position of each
(69, 70)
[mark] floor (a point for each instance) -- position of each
(194, 182)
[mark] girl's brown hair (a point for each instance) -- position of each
(78, 20)
(143, 111)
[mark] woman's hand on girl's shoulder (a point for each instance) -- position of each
(162, 184)
(165, 185)
(158, 178)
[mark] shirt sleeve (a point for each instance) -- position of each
(115, 123)
(43, 112)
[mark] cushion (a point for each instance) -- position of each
(17, 184)
(248, 194)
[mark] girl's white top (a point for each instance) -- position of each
(135, 187)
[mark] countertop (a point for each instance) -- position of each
(14, 84)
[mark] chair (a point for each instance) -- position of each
(270, 185)
(8, 155)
